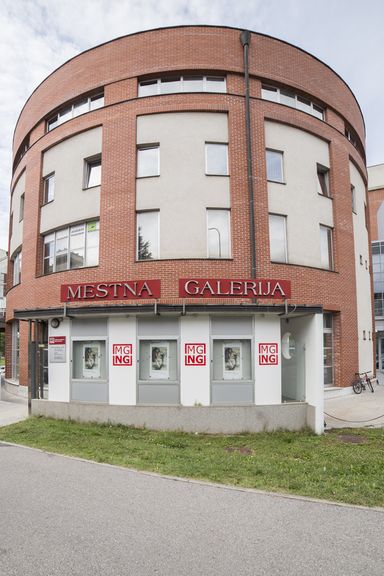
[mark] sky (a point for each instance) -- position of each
(37, 36)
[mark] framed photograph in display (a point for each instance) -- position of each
(91, 360)
(232, 360)
(159, 358)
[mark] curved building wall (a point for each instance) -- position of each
(124, 186)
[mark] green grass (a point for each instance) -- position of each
(343, 465)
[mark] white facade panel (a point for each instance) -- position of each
(267, 376)
(298, 197)
(362, 270)
(71, 202)
(122, 378)
(59, 373)
(195, 378)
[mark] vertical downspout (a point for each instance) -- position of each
(245, 38)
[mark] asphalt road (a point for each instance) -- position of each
(62, 516)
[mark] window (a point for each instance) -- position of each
(278, 238)
(326, 249)
(21, 209)
(289, 98)
(274, 166)
(81, 106)
(15, 350)
(232, 360)
(328, 348)
(148, 235)
(158, 360)
(323, 180)
(92, 171)
(73, 247)
(148, 161)
(89, 360)
(186, 83)
(49, 188)
(17, 268)
(353, 196)
(216, 159)
(218, 233)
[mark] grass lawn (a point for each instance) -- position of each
(343, 465)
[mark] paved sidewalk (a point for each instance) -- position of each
(12, 408)
(357, 410)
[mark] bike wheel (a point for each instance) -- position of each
(370, 386)
(357, 387)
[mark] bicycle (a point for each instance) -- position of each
(362, 382)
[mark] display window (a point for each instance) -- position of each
(158, 360)
(232, 360)
(89, 360)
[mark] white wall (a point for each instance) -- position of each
(122, 379)
(17, 226)
(66, 160)
(376, 176)
(59, 374)
(267, 378)
(298, 197)
(182, 192)
(363, 280)
(195, 380)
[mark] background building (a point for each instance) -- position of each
(188, 228)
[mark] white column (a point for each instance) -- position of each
(59, 373)
(314, 369)
(122, 378)
(194, 365)
(267, 368)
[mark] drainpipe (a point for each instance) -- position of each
(245, 38)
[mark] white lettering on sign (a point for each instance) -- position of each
(268, 354)
(195, 354)
(122, 355)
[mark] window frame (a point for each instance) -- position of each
(138, 213)
(142, 148)
(181, 80)
(220, 256)
(323, 187)
(314, 109)
(53, 239)
(283, 218)
(353, 199)
(330, 248)
(16, 270)
(21, 207)
(217, 144)
(53, 121)
(268, 152)
(46, 179)
(89, 163)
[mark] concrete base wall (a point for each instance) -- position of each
(15, 388)
(204, 419)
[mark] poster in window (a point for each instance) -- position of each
(159, 360)
(91, 361)
(232, 358)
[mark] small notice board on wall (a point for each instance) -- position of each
(57, 349)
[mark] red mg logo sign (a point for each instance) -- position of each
(195, 354)
(122, 355)
(268, 354)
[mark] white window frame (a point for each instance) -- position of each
(69, 109)
(282, 218)
(323, 187)
(157, 82)
(48, 188)
(280, 153)
(313, 108)
(209, 172)
(157, 257)
(329, 235)
(68, 229)
(90, 163)
(142, 148)
(220, 256)
(17, 260)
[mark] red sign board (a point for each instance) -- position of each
(122, 354)
(195, 354)
(56, 340)
(99, 291)
(226, 288)
(268, 353)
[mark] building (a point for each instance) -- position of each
(189, 206)
(376, 215)
(3, 283)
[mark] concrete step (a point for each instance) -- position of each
(336, 392)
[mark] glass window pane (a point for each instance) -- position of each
(278, 238)
(94, 173)
(216, 159)
(61, 251)
(287, 98)
(232, 360)
(193, 84)
(158, 360)
(304, 104)
(169, 85)
(326, 247)
(147, 235)
(89, 360)
(148, 87)
(77, 246)
(92, 243)
(274, 166)
(65, 114)
(148, 161)
(215, 84)
(270, 93)
(97, 101)
(218, 234)
(328, 376)
(317, 111)
(53, 122)
(80, 107)
(375, 248)
(49, 188)
(322, 180)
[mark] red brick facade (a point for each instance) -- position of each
(116, 66)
